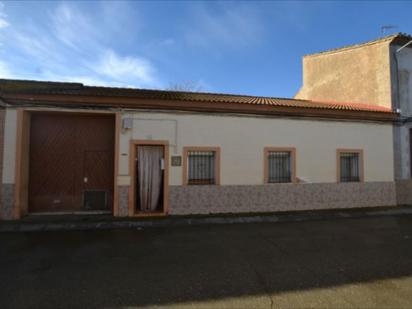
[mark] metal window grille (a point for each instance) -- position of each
(349, 167)
(201, 169)
(280, 166)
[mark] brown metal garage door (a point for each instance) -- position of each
(71, 162)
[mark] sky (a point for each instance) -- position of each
(252, 48)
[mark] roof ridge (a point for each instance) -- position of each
(326, 102)
(77, 89)
(357, 45)
(215, 94)
(196, 92)
(352, 104)
(6, 80)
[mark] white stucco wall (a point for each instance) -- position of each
(242, 140)
(9, 155)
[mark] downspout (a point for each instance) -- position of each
(398, 95)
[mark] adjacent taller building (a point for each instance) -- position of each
(379, 73)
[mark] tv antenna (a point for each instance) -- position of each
(387, 27)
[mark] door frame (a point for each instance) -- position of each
(132, 169)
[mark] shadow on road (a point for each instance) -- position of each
(191, 264)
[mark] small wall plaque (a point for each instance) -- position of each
(176, 160)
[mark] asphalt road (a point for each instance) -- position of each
(337, 263)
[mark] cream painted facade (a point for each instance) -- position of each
(242, 140)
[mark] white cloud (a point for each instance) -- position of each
(40, 48)
(232, 26)
(86, 79)
(125, 68)
(3, 23)
(5, 71)
(70, 45)
(167, 42)
(72, 27)
(3, 17)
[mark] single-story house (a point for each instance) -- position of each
(68, 148)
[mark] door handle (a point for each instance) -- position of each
(85, 179)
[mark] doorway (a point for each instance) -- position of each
(150, 173)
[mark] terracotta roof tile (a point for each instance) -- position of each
(77, 89)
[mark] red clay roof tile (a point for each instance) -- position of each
(8, 87)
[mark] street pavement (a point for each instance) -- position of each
(340, 263)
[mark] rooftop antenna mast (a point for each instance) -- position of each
(387, 27)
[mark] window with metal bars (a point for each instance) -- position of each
(349, 167)
(201, 167)
(280, 166)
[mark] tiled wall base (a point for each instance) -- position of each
(279, 197)
(123, 201)
(404, 192)
(185, 200)
(7, 202)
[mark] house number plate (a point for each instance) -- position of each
(176, 161)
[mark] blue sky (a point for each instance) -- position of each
(231, 47)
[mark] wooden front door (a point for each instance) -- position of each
(71, 162)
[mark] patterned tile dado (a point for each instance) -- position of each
(7, 202)
(404, 192)
(279, 197)
(123, 201)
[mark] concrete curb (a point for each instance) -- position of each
(70, 224)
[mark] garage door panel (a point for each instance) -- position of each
(98, 178)
(58, 144)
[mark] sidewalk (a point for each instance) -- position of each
(99, 222)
